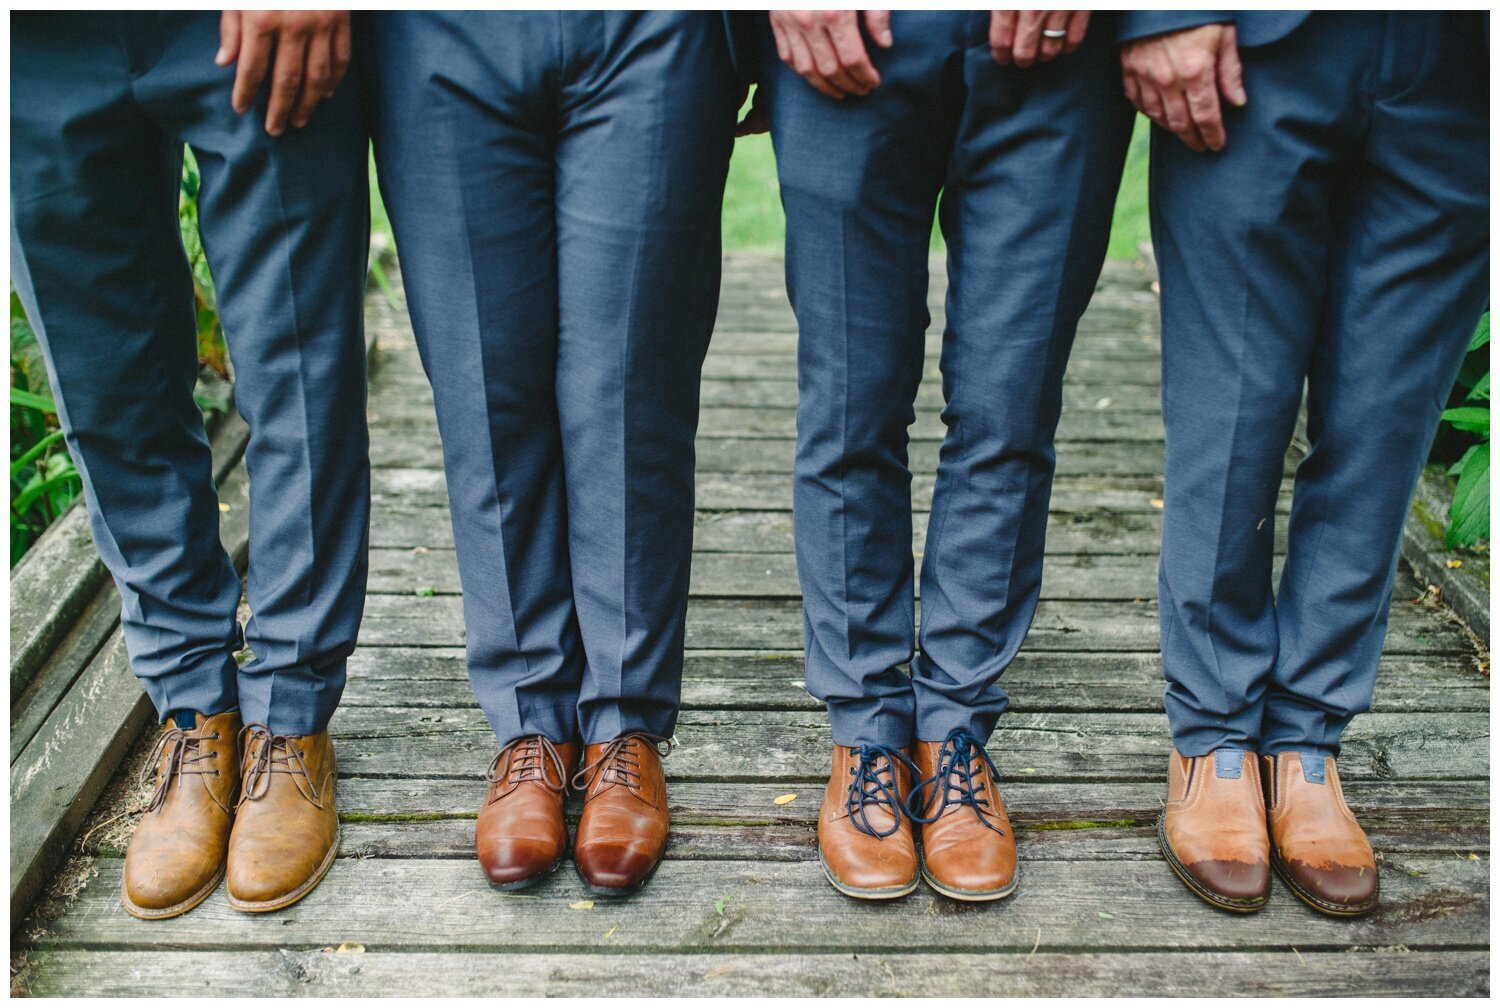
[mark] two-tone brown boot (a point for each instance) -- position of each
(521, 836)
(865, 838)
(286, 830)
(1318, 848)
(176, 857)
(968, 848)
(1213, 831)
(622, 833)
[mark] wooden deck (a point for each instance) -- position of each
(741, 906)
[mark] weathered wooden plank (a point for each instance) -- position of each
(777, 625)
(60, 670)
(1037, 682)
(1097, 531)
(323, 973)
(398, 414)
(718, 491)
(1466, 587)
(420, 449)
(1131, 371)
(407, 383)
(1057, 840)
(748, 745)
(774, 575)
(690, 905)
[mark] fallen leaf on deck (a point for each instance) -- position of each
(1455, 564)
(225, 507)
(582, 905)
(1157, 502)
(785, 799)
(426, 592)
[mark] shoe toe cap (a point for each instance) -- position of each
(1235, 881)
(1350, 886)
(611, 865)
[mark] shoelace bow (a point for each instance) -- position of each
(958, 774)
(183, 750)
(618, 762)
(277, 754)
(875, 784)
(531, 758)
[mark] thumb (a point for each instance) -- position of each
(878, 24)
(1231, 73)
(229, 38)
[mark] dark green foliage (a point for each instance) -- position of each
(1469, 517)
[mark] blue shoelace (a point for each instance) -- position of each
(960, 762)
(875, 784)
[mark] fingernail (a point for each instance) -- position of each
(222, 56)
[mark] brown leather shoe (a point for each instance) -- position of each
(521, 836)
(622, 833)
(1316, 845)
(1213, 831)
(864, 833)
(968, 848)
(286, 830)
(176, 857)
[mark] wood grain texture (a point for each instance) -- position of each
(740, 906)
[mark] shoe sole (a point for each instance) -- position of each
(855, 892)
(531, 880)
(1322, 906)
(302, 890)
(1213, 899)
(175, 910)
(593, 889)
(971, 895)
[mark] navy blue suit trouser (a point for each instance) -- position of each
(101, 106)
(1022, 167)
(555, 182)
(1340, 240)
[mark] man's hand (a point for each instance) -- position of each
(1016, 36)
(826, 49)
(305, 53)
(1176, 80)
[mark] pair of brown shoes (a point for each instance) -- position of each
(1231, 816)
(866, 837)
(246, 805)
(522, 837)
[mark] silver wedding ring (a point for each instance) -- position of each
(1054, 33)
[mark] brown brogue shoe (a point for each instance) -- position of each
(865, 838)
(176, 857)
(968, 848)
(1317, 846)
(622, 833)
(1213, 831)
(521, 836)
(286, 829)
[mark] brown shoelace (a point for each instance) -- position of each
(529, 758)
(183, 750)
(277, 754)
(619, 763)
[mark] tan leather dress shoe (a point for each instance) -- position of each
(521, 836)
(1213, 831)
(864, 833)
(286, 830)
(968, 847)
(622, 833)
(1318, 848)
(176, 857)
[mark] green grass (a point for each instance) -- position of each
(753, 218)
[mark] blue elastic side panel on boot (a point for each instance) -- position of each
(1227, 763)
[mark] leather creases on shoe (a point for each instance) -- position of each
(875, 784)
(277, 754)
(618, 765)
(531, 758)
(960, 769)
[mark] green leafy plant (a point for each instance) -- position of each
(43, 481)
(1469, 515)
